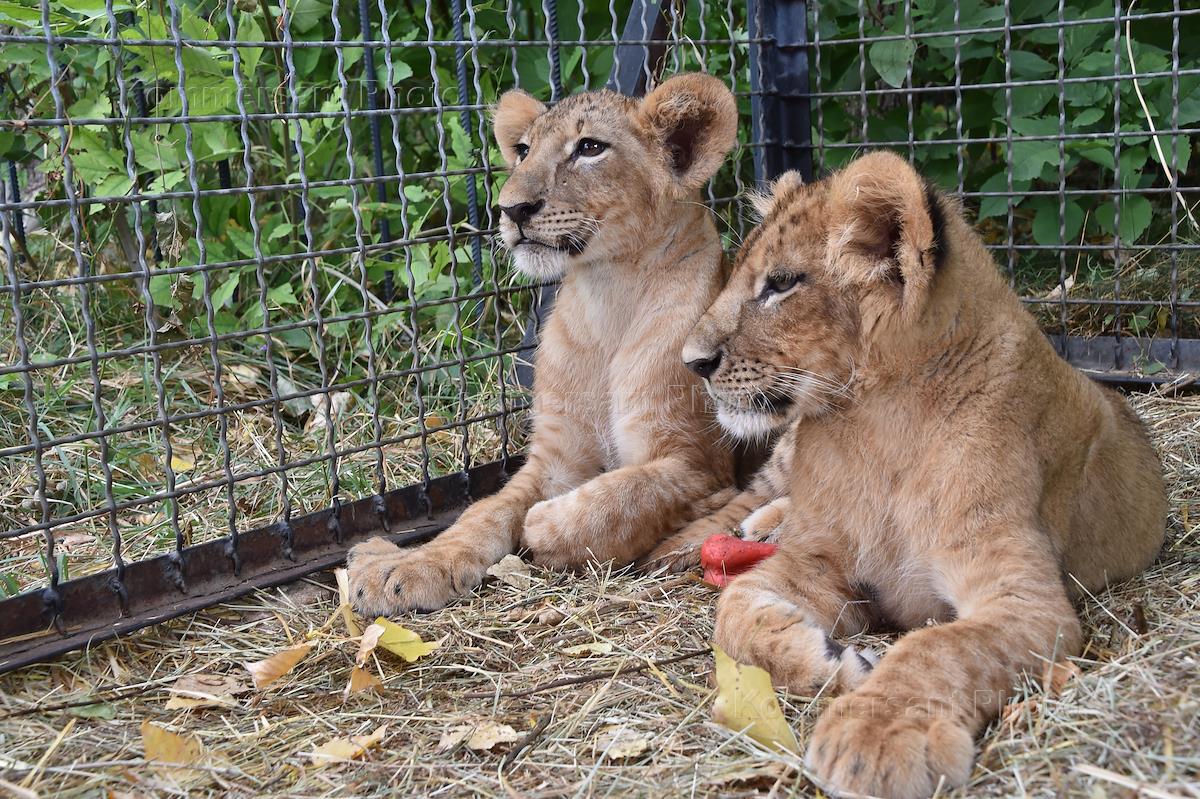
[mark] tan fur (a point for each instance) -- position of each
(948, 474)
(621, 451)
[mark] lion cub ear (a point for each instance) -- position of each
(513, 115)
(886, 225)
(764, 202)
(694, 119)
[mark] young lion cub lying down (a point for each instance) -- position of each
(605, 193)
(941, 463)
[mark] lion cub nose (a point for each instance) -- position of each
(522, 212)
(704, 366)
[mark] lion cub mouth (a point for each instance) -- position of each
(569, 245)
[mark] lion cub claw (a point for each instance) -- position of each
(868, 745)
(388, 580)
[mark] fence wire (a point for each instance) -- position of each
(249, 262)
(250, 270)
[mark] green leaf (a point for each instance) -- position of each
(1136, 215)
(998, 206)
(1153, 368)
(1046, 220)
(8, 580)
(1181, 144)
(891, 59)
(307, 14)
(1028, 158)
(99, 710)
(283, 295)
(162, 291)
(1088, 116)
(1030, 65)
(1095, 152)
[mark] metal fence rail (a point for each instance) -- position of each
(251, 307)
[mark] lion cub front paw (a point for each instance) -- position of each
(553, 533)
(385, 579)
(871, 745)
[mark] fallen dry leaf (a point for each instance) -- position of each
(368, 642)
(402, 641)
(1016, 714)
(587, 650)
(481, 737)
(361, 680)
(167, 749)
(352, 748)
(339, 403)
(192, 691)
(746, 701)
(619, 743)
(271, 669)
(343, 583)
(1057, 675)
(240, 378)
(511, 570)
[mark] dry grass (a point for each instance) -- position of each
(1131, 718)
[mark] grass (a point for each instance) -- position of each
(1128, 725)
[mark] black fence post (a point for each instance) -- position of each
(779, 102)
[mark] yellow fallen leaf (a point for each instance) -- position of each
(481, 737)
(205, 690)
(587, 650)
(167, 749)
(271, 669)
(342, 749)
(182, 461)
(619, 743)
(746, 701)
(343, 584)
(403, 642)
(361, 680)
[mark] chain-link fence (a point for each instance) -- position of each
(251, 304)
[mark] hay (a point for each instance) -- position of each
(1127, 724)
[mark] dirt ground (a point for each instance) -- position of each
(629, 715)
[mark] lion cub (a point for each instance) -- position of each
(947, 473)
(605, 193)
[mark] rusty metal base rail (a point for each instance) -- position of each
(175, 584)
(1133, 362)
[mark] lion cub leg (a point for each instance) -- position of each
(681, 550)
(764, 522)
(783, 615)
(385, 579)
(911, 725)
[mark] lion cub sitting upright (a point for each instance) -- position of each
(604, 192)
(942, 463)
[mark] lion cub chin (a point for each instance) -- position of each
(941, 471)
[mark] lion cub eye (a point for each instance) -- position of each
(589, 148)
(522, 150)
(779, 282)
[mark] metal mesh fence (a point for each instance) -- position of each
(251, 303)
(249, 276)
(1066, 127)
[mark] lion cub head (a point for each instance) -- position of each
(598, 171)
(835, 269)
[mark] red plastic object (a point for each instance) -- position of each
(725, 557)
